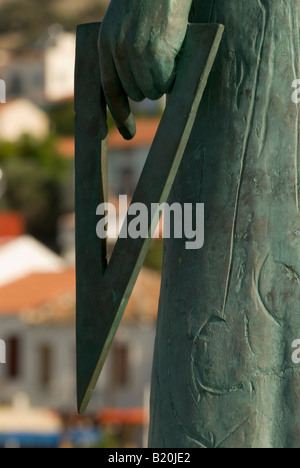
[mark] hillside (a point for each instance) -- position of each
(23, 21)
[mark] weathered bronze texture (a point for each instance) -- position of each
(223, 373)
(103, 291)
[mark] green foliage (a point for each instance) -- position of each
(62, 118)
(44, 153)
(34, 175)
(110, 440)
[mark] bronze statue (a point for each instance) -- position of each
(138, 44)
(223, 374)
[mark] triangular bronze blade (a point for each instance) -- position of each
(103, 293)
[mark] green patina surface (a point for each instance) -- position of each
(103, 291)
(223, 374)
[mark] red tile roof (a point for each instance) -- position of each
(12, 224)
(50, 297)
(145, 132)
(130, 416)
(146, 129)
(35, 290)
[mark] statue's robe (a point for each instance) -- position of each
(223, 373)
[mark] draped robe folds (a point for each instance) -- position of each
(223, 374)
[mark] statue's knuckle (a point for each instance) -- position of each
(155, 50)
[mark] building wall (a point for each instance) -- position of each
(48, 76)
(24, 79)
(123, 382)
(59, 68)
(124, 169)
(22, 117)
(110, 392)
(59, 390)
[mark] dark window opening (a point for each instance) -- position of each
(13, 357)
(45, 357)
(120, 362)
(15, 86)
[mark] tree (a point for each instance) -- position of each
(34, 173)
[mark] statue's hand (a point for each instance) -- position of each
(138, 44)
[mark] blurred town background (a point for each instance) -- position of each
(37, 247)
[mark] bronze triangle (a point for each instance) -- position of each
(103, 290)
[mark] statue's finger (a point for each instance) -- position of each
(127, 79)
(116, 97)
(143, 77)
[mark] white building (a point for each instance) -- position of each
(39, 338)
(59, 60)
(23, 256)
(37, 324)
(22, 117)
(46, 74)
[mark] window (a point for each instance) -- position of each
(13, 357)
(45, 364)
(128, 182)
(120, 365)
(38, 79)
(15, 85)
